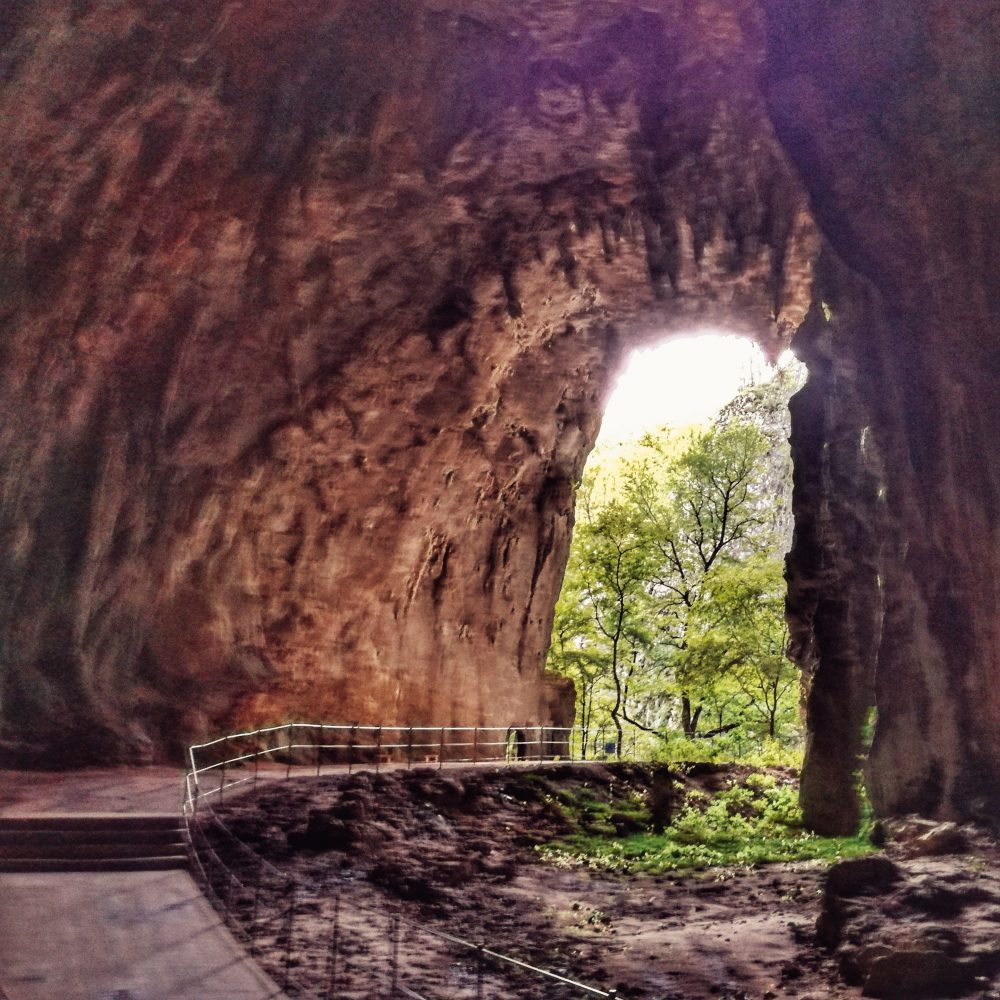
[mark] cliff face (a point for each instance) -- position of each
(894, 572)
(308, 321)
(309, 311)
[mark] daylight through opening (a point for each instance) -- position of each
(671, 619)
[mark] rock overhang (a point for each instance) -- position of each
(324, 303)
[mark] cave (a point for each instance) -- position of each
(309, 312)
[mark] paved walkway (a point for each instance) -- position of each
(113, 935)
(92, 790)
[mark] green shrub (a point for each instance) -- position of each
(745, 824)
(728, 748)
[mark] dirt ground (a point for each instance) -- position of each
(382, 864)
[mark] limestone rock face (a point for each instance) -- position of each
(308, 318)
(894, 574)
(308, 313)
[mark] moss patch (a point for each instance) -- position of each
(753, 819)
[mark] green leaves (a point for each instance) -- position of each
(671, 615)
(746, 824)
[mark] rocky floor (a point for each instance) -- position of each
(383, 863)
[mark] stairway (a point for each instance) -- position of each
(97, 842)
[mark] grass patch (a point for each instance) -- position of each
(741, 826)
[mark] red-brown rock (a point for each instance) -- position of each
(308, 315)
(309, 319)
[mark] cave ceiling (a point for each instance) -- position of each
(309, 313)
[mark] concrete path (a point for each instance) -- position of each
(147, 935)
(91, 790)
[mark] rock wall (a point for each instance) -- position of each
(308, 319)
(894, 572)
(308, 313)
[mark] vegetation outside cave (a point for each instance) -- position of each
(671, 615)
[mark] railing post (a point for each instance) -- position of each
(197, 784)
(254, 929)
(441, 750)
(350, 747)
(475, 745)
(222, 779)
(291, 743)
(289, 928)
(378, 748)
(230, 878)
(206, 868)
(480, 970)
(541, 744)
(393, 953)
(409, 748)
(319, 751)
(256, 761)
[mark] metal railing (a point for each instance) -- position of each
(257, 754)
(361, 948)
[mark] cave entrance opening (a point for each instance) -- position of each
(680, 383)
(670, 622)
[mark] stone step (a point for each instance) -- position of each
(90, 836)
(153, 863)
(77, 851)
(91, 821)
(54, 842)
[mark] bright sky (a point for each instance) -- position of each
(683, 381)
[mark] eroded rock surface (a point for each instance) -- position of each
(308, 321)
(893, 588)
(909, 928)
(308, 315)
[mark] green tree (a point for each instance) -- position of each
(703, 509)
(574, 651)
(671, 612)
(610, 568)
(739, 633)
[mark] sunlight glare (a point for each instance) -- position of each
(681, 382)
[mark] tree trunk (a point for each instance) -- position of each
(689, 719)
(618, 693)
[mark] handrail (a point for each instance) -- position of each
(553, 744)
(519, 743)
(510, 960)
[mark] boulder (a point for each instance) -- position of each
(862, 876)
